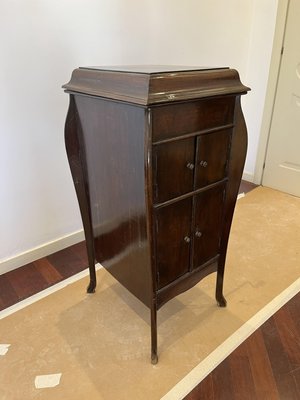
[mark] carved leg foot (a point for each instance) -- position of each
(93, 280)
(154, 359)
(221, 301)
(91, 287)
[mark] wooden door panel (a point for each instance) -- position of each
(208, 223)
(173, 231)
(173, 169)
(211, 159)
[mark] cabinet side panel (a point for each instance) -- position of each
(114, 149)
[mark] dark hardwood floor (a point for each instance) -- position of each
(264, 367)
(20, 283)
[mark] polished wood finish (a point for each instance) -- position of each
(156, 158)
(173, 241)
(178, 156)
(212, 157)
(208, 225)
(197, 117)
(74, 143)
(147, 85)
(114, 156)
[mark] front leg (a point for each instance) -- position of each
(221, 301)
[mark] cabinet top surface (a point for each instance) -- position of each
(154, 84)
(152, 69)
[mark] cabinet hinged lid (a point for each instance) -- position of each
(146, 85)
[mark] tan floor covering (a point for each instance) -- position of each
(100, 343)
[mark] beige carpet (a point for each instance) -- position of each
(100, 343)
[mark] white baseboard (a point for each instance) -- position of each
(40, 251)
(248, 177)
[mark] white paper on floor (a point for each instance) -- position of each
(4, 349)
(46, 381)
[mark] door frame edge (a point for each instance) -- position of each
(282, 10)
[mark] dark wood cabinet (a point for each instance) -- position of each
(156, 155)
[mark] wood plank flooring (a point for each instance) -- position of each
(30, 279)
(265, 366)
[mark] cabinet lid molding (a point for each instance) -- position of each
(147, 85)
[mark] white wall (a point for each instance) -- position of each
(42, 41)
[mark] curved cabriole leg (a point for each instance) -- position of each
(235, 170)
(154, 357)
(221, 301)
(73, 139)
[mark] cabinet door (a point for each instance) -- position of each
(208, 224)
(173, 169)
(173, 230)
(211, 159)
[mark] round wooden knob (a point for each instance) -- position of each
(190, 166)
(187, 239)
